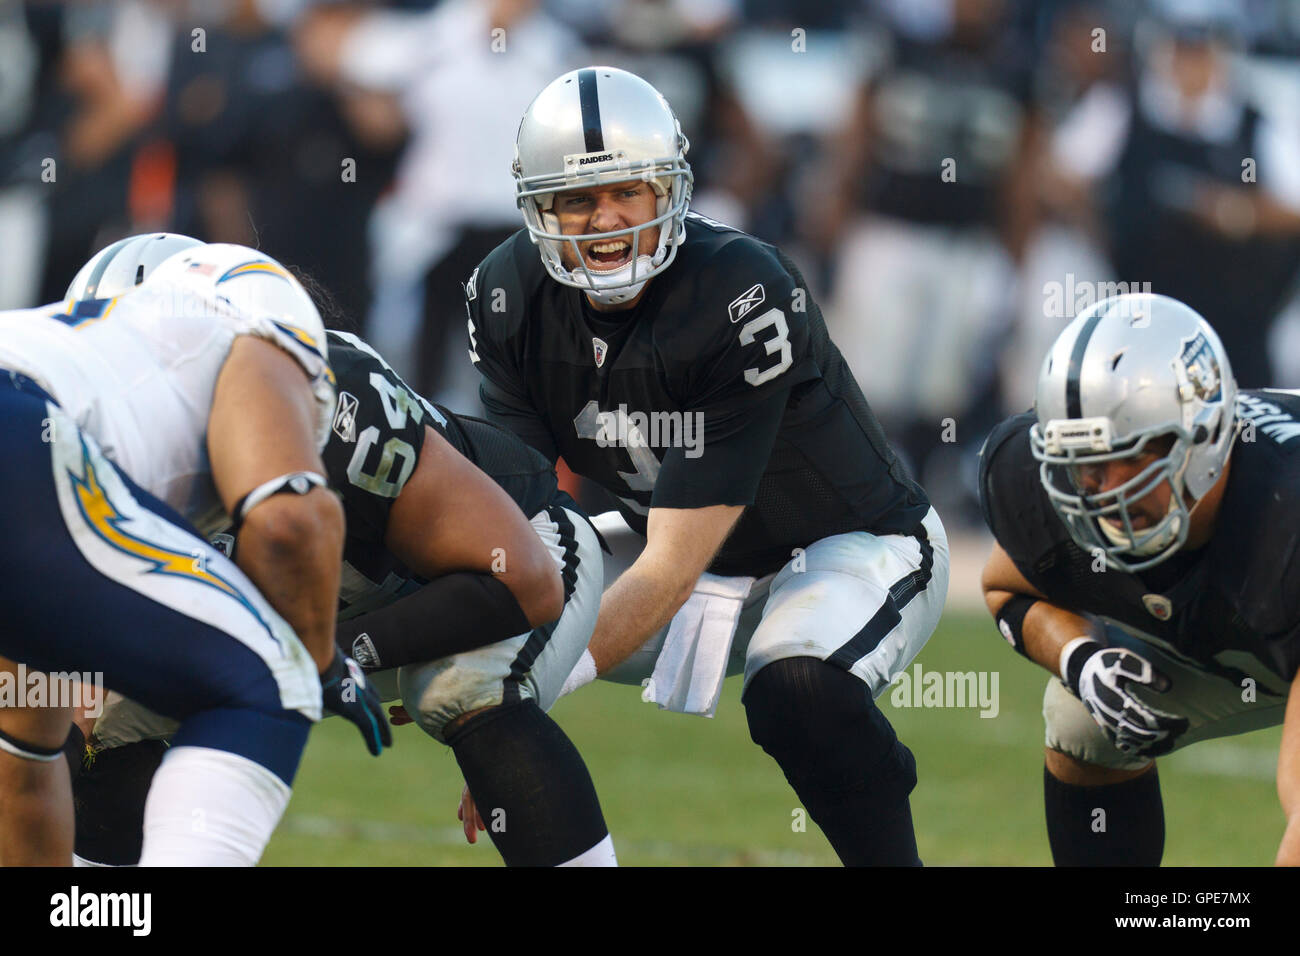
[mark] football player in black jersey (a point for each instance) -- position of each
(1146, 517)
(454, 600)
(683, 366)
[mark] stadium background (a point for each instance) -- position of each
(957, 179)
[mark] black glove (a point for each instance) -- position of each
(346, 692)
(1101, 676)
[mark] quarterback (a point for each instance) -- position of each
(130, 425)
(1146, 522)
(785, 539)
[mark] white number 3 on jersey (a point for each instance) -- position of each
(779, 341)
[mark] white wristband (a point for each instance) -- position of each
(1063, 663)
(584, 672)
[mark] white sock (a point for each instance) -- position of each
(602, 854)
(210, 808)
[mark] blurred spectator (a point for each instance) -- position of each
(1206, 199)
(1081, 89)
(462, 75)
(102, 92)
(29, 48)
(264, 158)
(928, 208)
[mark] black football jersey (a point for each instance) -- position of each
(1235, 598)
(372, 451)
(721, 386)
(948, 107)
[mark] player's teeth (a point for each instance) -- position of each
(610, 247)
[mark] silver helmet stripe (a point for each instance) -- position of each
(102, 266)
(590, 103)
(1073, 401)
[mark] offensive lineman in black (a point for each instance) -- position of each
(1146, 525)
(684, 367)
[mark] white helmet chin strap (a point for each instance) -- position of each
(614, 287)
(1158, 541)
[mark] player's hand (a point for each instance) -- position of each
(469, 817)
(1105, 678)
(346, 692)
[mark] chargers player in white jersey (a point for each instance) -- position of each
(128, 425)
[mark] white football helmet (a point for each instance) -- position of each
(1130, 370)
(215, 277)
(594, 127)
(123, 265)
(250, 281)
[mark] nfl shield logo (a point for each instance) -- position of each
(599, 347)
(1158, 606)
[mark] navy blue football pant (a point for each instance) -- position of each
(98, 575)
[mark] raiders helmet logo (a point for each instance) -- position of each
(1202, 368)
(600, 349)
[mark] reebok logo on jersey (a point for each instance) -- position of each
(600, 349)
(471, 287)
(345, 419)
(746, 302)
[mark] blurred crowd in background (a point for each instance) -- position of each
(957, 178)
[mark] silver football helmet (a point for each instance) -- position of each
(593, 127)
(1130, 371)
(123, 265)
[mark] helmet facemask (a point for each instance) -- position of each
(1101, 521)
(671, 180)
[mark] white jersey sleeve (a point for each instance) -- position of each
(138, 373)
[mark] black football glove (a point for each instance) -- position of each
(346, 692)
(1101, 677)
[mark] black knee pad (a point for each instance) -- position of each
(527, 776)
(821, 725)
(74, 750)
(109, 796)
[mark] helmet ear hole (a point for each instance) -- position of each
(1200, 434)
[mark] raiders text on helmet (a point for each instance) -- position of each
(593, 127)
(1130, 370)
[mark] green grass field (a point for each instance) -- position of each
(680, 790)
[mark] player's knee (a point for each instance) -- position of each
(1080, 773)
(821, 725)
(453, 726)
(1082, 748)
(443, 698)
